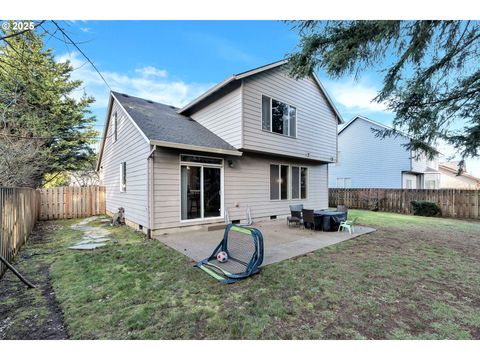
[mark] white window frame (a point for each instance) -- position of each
(271, 117)
(222, 187)
(279, 183)
(299, 182)
(123, 180)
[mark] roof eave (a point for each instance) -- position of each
(105, 127)
(182, 146)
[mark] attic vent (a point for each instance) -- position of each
(150, 101)
(125, 95)
(172, 107)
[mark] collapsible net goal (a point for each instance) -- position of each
(244, 247)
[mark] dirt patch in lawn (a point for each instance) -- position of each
(31, 313)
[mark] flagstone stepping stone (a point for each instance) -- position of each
(93, 236)
(89, 246)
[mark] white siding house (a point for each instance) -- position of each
(367, 161)
(260, 140)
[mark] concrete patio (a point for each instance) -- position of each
(280, 241)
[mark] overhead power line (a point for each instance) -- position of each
(81, 52)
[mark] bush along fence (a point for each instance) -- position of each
(19, 210)
(454, 203)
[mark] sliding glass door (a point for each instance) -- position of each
(201, 187)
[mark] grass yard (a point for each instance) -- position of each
(415, 278)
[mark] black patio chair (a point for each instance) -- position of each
(296, 215)
(310, 221)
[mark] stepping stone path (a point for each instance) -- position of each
(93, 236)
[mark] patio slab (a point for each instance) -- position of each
(280, 242)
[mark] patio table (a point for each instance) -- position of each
(330, 220)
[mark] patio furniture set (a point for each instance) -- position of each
(322, 220)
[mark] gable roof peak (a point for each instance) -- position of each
(251, 72)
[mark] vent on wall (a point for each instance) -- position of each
(273, 217)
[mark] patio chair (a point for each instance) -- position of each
(349, 225)
(248, 218)
(310, 221)
(296, 215)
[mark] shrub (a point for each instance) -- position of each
(425, 208)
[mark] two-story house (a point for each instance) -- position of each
(367, 161)
(259, 139)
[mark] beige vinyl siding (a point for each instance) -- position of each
(246, 184)
(131, 147)
(223, 117)
(316, 121)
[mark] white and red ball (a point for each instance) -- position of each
(222, 257)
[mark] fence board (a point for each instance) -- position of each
(457, 203)
(19, 209)
(72, 202)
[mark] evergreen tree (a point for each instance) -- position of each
(431, 80)
(44, 128)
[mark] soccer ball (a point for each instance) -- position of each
(222, 257)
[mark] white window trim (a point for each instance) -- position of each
(271, 118)
(203, 219)
(290, 182)
(123, 186)
(300, 167)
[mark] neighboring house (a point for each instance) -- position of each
(450, 180)
(259, 139)
(367, 161)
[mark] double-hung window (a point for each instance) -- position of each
(278, 182)
(279, 117)
(281, 176)
(299, 182)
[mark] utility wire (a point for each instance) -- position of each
(81, 52)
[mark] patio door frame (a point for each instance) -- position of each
(201, 165)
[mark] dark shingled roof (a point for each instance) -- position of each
(162, 122)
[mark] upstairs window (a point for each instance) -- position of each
(279, 117)
(123, 177)
(114, 127)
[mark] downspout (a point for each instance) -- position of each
(150, 194)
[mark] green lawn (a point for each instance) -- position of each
(413, 278)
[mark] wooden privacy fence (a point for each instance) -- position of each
(71, 202)
(19, 209)
(453, 202)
